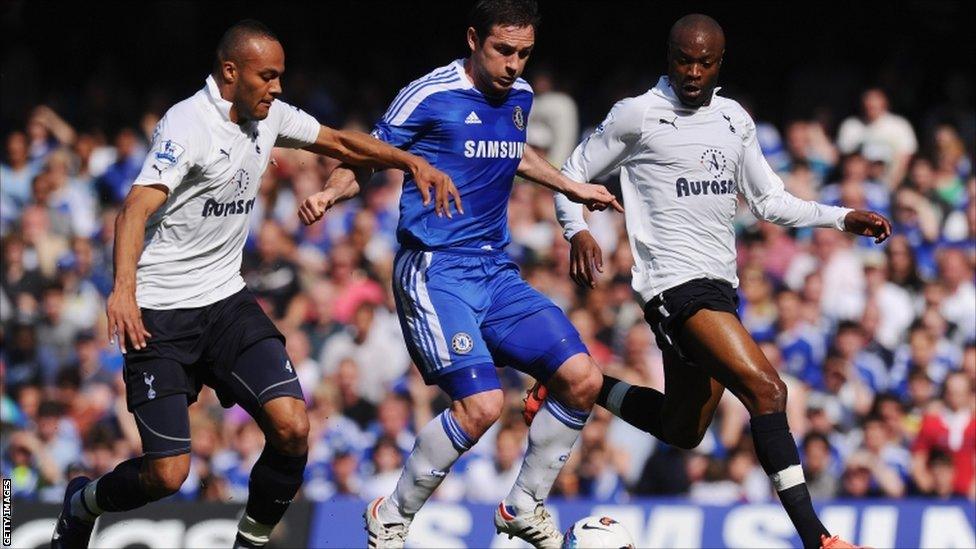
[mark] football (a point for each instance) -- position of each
(597, 533)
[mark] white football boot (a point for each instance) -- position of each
(537, 527)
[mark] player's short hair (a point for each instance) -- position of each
(234, 38)
(487, 13)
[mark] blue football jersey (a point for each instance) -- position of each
(476, 140)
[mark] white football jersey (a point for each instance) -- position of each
(212, 167)
(681, 169)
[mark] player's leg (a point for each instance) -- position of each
(263, 381)
(439, 298)
(477, 402)
(718, 341)
(680, 415)
(156, 397)
(528, 332)
(248, 365)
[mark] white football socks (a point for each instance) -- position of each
(439, 444)
(551, 437)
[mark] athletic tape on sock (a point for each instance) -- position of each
(89, 498)
(254, 531)
(616, 397)
(788, 478)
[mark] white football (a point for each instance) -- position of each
(597, 533)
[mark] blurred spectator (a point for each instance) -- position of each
(801, 345)
(351, 401)
(115, 182)
(386, 464)
(843, 396)
(856, 189)
(914, 217)
(810, 149)
(306, 368)
(757, 308)
(887, 462)
(880, 128)
(488, 480)
(392, 423)
(274, 278)
(943, 473)
(19, 466)
(950, 428)
(953, 166)
(553, 123)
(371, 339)
(17, 174)
(819, 467)
(902, 267)
(960, 301)
(55, 333)
(924, 352)
(889, 310)
(42, 247)
(841, 271)
(850, 344)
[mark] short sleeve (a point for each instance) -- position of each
(174, 151)
(296, 128)
(404, 121)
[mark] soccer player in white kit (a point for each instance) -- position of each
(180, 308)
(684, 154)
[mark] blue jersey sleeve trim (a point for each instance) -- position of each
(412, 87)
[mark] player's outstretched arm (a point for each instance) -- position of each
(537, 169)
(344, 183)
(768, 199)
(124, 317)
(360, 149)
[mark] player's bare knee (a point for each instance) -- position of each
(768, 395)
(778, 394)
(478, 412)
(287, 426)
(584, 391)
(577, 382)
(291, 436)
(163, 477)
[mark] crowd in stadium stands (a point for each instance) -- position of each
(876, 343)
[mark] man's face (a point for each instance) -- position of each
(17, 149)
(817, 456)
(957, 392)
(256, 77)
(874, 103)
(500, 59)
(694, 59)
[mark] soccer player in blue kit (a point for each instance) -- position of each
(463, 307)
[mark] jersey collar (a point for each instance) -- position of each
(663, 89)
(459, 67)
(223, 106)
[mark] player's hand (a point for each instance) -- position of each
(125, 320)
(585, 257)
(314, 207)
(427, 176)
(867, 223)
(594, 197)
